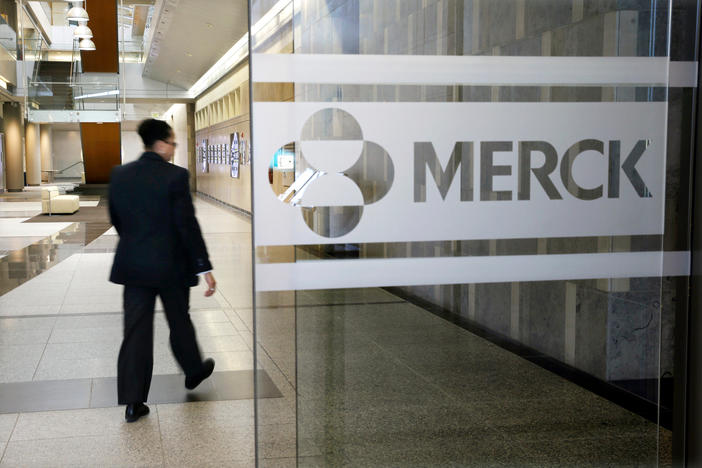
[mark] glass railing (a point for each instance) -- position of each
(131, 51)
(33, 48)
(64, 95)
(8, 38)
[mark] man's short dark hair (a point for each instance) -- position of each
(152, 130)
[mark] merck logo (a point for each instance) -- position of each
(338, 173)
(462, 159)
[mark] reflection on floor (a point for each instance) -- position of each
(387, 384)
(60, 330)
(378, 381)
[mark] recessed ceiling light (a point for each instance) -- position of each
(209, 25)
(188, 54)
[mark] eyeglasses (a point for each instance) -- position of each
(172, 143)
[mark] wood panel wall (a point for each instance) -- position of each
(217, 182)
(101, 150)
(103, 23)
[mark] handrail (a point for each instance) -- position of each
(62, 170)
(92, 84)
(73, 56)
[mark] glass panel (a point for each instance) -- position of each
(461, 210)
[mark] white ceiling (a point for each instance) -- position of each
(190, 36)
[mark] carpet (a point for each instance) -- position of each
(86, 214)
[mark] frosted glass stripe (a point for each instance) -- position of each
(325, 274)
(683, 74)
(470, 70)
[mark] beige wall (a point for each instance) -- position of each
(132, 146)
(67, 150)
(239, 76)
(177, 118)
(217, 182)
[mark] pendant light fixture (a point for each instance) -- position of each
(86, 44)
(82, 32)
(77, 14)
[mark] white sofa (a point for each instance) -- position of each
(53, 203)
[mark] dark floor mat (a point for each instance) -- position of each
(86, 214)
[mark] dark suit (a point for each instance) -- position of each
(160, 252)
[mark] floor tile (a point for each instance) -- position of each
(7, 425)
(65, 369)
(175, 418)
(208, 316)
(213, 344)
(277, 411)
(215, 329)
(235, 318)
(91, 308)
(557, 418)
(88, 334)
(87, 321)
(19, 362)
(82, 350)
(212, 445)
(25, 337)
(20, 298)
(281, 441)
(239, 385)
(616, 451)
(28, 310)
(439, 450)
(128, 449)
(251, 463)
(80, 423)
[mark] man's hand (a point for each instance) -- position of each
(211, 284)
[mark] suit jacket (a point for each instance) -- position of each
(160, 242)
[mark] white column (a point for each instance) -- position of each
(47, 163)
(12, 117)
(32, 156)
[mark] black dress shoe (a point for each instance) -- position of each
(134, 411)
(195, 380)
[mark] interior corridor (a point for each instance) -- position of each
(378, 378)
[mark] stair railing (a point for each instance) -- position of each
(64, 169)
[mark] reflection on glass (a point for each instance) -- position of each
(480, 374)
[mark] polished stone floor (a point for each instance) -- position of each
(356, 378)
(382, 382)
(60, 330)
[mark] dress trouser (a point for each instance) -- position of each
(136, 356)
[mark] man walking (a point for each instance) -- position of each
(160, 252)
